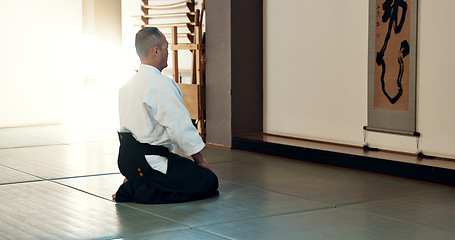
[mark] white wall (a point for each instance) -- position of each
(60, 61)
(37, 68)
(315, 70)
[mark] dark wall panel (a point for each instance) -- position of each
(218, 75)
(247, 66)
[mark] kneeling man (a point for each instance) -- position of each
(153, 120)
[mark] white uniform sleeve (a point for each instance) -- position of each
(165, 104)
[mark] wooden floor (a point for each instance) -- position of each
(56, 182)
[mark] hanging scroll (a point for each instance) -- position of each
(392, 66)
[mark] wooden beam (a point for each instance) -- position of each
(198, 53)
(196, 21)
(202, 11)
(175, 55)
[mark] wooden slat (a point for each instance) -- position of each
(180, 35)
(167, 15)
(171, 70)
(169, 25)
(168, 6)
(187, 46)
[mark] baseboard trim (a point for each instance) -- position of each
(364, 163)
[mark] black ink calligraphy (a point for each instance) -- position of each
(391, 10)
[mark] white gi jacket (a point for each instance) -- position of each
(151, 108)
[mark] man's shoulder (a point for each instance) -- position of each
(160, 81)
(147, 81)
(150, 78)
(164, 78)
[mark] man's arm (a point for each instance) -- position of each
(199, 159)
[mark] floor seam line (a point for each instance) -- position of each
(20, 182)
(27, 173)
(388, 199)
(80, 190)
(31, 146)
(113, 201)
(285, 194)
(53, 179)
(211, 233)
(110, 200)
(268, 216)
(153, 214)
(82, 176)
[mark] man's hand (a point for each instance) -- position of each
(199, 159)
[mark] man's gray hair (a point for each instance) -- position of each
(146, 39)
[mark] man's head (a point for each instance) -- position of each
(151, 46)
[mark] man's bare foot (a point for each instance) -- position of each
(115, 194)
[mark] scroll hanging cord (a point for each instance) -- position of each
(417, 142)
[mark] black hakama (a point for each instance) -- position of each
(184, 180)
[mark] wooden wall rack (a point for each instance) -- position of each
(194, 93)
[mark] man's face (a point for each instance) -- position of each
(164, 52)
